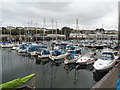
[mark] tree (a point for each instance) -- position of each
(66, 31)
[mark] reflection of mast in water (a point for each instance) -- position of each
(75, 79)
(43, 77)
(51, 76)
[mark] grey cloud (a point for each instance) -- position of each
(63, 12)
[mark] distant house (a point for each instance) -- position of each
(10, 27)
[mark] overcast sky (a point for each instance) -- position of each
(90, 14)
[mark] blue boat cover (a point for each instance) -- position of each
(23, 47)
(63, 44)
(57, 52)
(29, 43)
(76, 52)
(42, 46)
(72, 47)
(46, 52)
(33, 48)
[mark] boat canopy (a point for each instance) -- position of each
(63, 44)
(40, 49)
(44, 51)
(57, 52)
(76, 52)
(33, 48)
(72, 47)
(23, 47)
(42, 46)
(29, 43)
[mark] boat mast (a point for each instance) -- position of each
(56, 30)
(36, 31)
(28, 33)
(43, 28)
(52, 28)
(61, 34)
(10, 34)
(77, 27)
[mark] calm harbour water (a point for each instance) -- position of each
(48, 74)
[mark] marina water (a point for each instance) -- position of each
(48, 74)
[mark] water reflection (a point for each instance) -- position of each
(98, 75)
(70, 67)
(56, 63)
(42, 61)
(49, 74)
(87, 67)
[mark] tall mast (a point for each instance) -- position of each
(10, 33)
(43, 28)
(36, 30)
(56, 30)
(52, 28)
(77, 29)
(61, 34)
(28, 33)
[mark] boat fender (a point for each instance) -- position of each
(64, 59)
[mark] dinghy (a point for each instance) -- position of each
(72, 57)
(57, 54)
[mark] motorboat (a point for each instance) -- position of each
(87, 58)
(106, 61)
(57, 54)
(72, 57)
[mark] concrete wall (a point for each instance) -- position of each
(109, 80)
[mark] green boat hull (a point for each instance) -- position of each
(17, 82)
